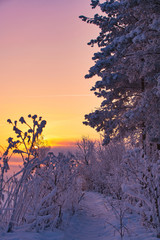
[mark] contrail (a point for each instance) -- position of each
(62, 95)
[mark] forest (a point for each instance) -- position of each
(107, 188)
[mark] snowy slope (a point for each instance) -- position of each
(89, 223)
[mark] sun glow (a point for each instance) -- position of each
(44, 57)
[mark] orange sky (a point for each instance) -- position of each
(43, 59)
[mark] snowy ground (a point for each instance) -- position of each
(89, 223)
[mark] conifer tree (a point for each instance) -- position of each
(128, 68)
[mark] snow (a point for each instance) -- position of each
(91, 222)
(20, 235)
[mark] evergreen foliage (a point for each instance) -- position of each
(128, 68)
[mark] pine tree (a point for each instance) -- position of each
(128, 68)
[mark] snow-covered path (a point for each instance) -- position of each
(89, 222)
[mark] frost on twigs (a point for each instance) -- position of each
(26, 140)
(142, 186)
(54, 193)
(26, 144)
(45, 192)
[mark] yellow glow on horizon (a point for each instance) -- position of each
(64, 119)
(44, 57)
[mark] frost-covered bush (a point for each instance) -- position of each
(109, 181)
(48, 192)
(119, 210)
(143, 186)
(26, 144)
(4, 167)
(45, 191)
(101, 166)
(54, 192)
(110, 158)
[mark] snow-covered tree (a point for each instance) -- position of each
(128, 68)
(101, 166)
(85, 150)
(86, 161)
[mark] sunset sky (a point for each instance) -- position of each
(43, 59)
